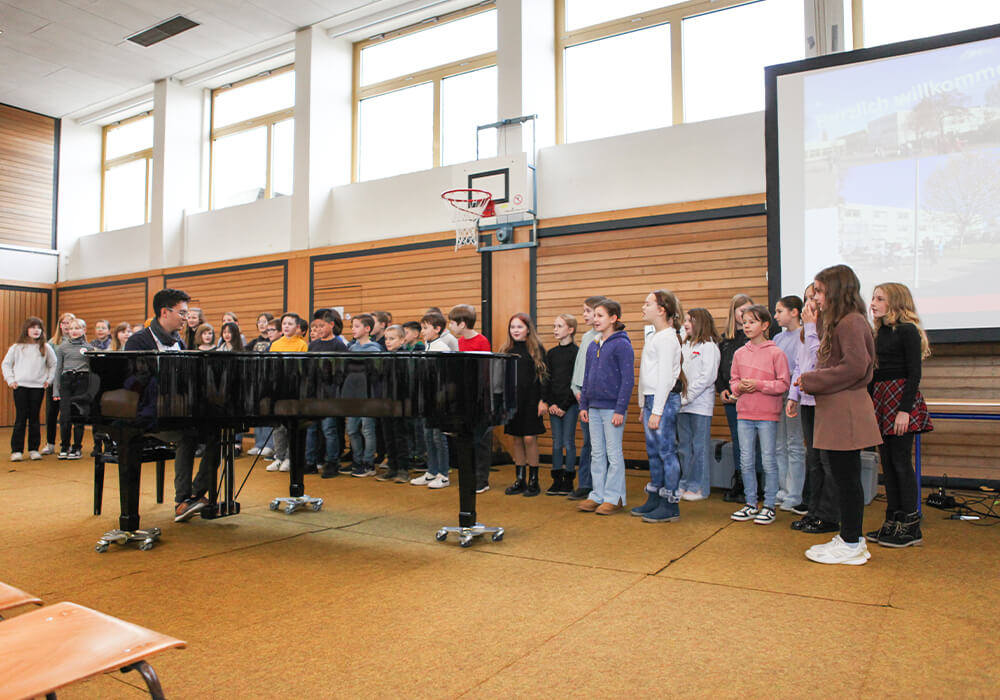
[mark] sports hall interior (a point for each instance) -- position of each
(358, 599)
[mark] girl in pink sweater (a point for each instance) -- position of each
(759, 380)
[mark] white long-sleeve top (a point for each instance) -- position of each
(26, 366)
(701, 366)
(659, 367)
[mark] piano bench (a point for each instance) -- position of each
(152, 451)
(11, 597)
(47, 649)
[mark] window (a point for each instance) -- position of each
(888, 21)
(253, 139)
(127, 172)
(422, 91)
(634, 65)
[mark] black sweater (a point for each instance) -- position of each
(898, 351)
(728, 348)
(560, 360)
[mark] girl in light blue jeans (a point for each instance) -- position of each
(694, 423)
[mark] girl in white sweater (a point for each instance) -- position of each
(28, 368)
(694, 422)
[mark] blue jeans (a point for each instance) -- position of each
(437, 452)
(790, 450)
(263, 436)
(564, 438)
(607, 461)
(765, 431)
(585, 479)
(734, 434)
(694, 445)
(328, 426)
(661, 447)
(362, 433)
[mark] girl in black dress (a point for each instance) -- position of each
(527, 423)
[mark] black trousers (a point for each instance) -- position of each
(71, 385)
(51, 417)
(823, 501)
(27, 410)
(846, 468)
(394, 432)
(901, 490)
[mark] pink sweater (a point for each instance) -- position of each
(768, 365)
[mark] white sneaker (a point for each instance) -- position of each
(16, 457)
(48, 449)
(780, 496)
(439, 482)
(836, 551)
(34, 455)
(286, 466)
(422, 480)
(267, 452)
(253, 451)
(764, 517)
(274, 466)
(693, 496)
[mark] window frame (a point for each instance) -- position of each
(435, 75)
(672, 14)
(267, 120)
(106, 165)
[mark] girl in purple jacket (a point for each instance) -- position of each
(607, 389)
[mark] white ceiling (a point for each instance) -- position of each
(60, 57)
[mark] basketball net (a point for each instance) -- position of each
(466, 206)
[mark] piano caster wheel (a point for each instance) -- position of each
(441, 535)
(466, 540)
(101, 547)
(273, 505)
(146, 545)
(498, 535)
(289, 509)
(317, 506)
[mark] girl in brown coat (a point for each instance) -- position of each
(845, 416)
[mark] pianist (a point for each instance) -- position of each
(170, 307)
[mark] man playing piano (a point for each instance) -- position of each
(163, 335)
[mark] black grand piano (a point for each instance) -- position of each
(135, 394)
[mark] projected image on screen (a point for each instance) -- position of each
(892, 166)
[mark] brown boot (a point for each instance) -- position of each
(588, 506)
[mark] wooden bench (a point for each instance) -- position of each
(47, 649)
(11, 597)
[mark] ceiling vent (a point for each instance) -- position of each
(163, 30)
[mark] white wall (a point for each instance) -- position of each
(24, 265)
(107, 253)
(257, 228)
(79, 209)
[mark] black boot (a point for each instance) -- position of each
(906, 533)
(533, 489)
(735, 494)
(557, 483)
(519, 484)
(888, 527)
(567, 483)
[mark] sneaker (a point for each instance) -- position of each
(274, 466)
(267, 452)
(798, 509)
(745, 513)
(439, 482)
(34, 455)
(801, 523)
(764, 517)
(16, 457)
(285, 466)
(363, 470)
(73, 454)
(836, 551)
(780, 496)
(188, 509)
(63, 454)
(311, 469)
(329, 471)
(578, 494)
(253, 451)
(819, 527)
(402, 477)
(387, 475)
(422, 480)
(347, 468)
(693, 496)
(48, 449)
(483, 489)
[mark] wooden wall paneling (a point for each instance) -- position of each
(123, 300)
(704, 263)
(246, 290)
(16, 304)
(403, 280)
(27, 167)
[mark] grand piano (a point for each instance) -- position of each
(137, 393)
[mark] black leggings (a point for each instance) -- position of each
(823, 502)
(27, 407)
(901, 489)
(51, 417)
(846, 468)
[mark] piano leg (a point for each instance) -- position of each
(130, 444)
(462, 454)
(297, 496)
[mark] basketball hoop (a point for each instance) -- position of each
(466, 206)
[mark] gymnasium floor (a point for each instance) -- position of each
(359, 601)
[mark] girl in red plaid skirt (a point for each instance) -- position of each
(900, 346)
